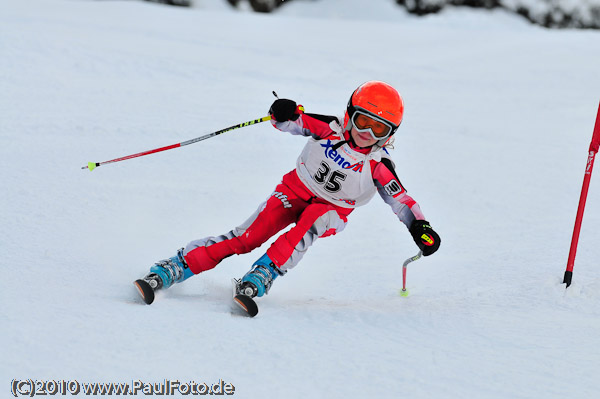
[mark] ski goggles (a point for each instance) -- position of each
(378, 128)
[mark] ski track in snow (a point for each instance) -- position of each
(498, 119)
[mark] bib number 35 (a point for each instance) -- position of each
(330, 180)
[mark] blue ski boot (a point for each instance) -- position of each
(259, 279)
(163, 274)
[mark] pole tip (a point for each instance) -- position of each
(92, 165)
(567, 279)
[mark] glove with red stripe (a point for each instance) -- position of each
(425, 237)
(283, 110)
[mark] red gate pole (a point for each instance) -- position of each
(584, 190)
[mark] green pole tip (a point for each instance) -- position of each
(403, 292)
(91, 166)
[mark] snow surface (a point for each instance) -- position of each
(499, 115)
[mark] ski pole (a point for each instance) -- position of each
(593, 150)
(93, 165)
(404, 291)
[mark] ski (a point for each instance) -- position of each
(145, 289)
(243, 302)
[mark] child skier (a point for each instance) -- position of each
(341, 167)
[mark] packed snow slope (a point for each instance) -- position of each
(499, 116)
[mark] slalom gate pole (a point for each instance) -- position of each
(93, 165)
(404, 291)
(582, 199)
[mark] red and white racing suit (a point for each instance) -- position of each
(332, 177)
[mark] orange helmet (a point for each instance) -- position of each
(378, 99)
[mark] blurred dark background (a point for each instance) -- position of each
(578, 14)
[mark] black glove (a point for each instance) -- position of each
(426, 238)
(283, 110)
